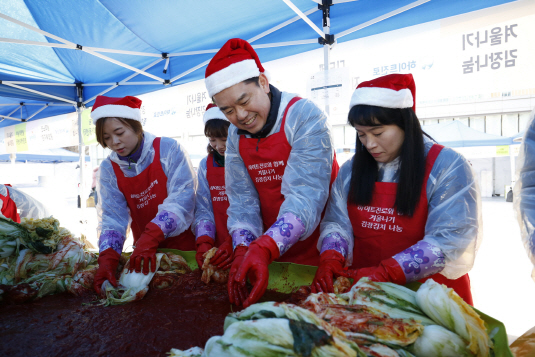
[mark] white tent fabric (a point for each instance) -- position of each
(456, 134)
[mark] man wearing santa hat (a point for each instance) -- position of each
(404, 208)
(279, 165)
(147, 179)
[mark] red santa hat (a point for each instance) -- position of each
(390, 91)
(213, 112)
(235, 62)
(127, 107)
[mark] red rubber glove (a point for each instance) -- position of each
(223, 257)
(145, 250)
(260, 254)
(236, 293)
(330, 262)
(388, 270)
(202, 245)
(107, 267)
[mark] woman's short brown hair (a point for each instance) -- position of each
(217, 128)
(132, 124)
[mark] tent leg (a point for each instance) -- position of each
(81, 191)
(326, 50)
(512, 159)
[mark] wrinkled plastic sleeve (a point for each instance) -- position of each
(524, 190)
(244, 205)
(204, 212)
(336, 223)
(28, 206)
(181, 186)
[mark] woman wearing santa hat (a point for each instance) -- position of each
(279, 165)
(404, 208)
(147, 179)
(211, 204)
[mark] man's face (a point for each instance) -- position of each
(246, 105)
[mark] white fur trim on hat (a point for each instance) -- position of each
(382, 97)
(115, 111)
(231, 75)
(213, 113)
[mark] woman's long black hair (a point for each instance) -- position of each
(412, 157)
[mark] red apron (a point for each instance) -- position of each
(381, 233)
(9, 208)
(215, 175)
(266, 160)
(144, 193)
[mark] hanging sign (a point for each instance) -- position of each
(88, 128)
(20, 137)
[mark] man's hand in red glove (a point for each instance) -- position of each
(236, 293)
(107, 267)
(145, 250)
(223, 257)
(330, 262)
(261, 253)
(202, 245)
(388, 270)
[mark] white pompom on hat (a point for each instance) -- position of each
(235, 62)
(390, 91)
(108, 107)
(213, 112)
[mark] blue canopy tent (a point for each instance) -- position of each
(56, 56)
(50, 156)
(456, 134)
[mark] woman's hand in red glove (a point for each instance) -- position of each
(202, 245)
(223, 257)
(388, 270)
(107, 267)
(330, 262)
(237, 293)
(146, 247)
(261, 253)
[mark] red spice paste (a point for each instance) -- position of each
(181, 316)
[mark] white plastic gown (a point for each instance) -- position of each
(112, 208)
(454, 222)
(306, 179)
(27, 206)
(204, 212)
(524, 190)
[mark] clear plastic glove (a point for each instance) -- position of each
(145, 250)
(330, 262)
(108, 261)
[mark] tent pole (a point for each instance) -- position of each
(326, 7)
(382, 17)
(512, 159)
(81, 151)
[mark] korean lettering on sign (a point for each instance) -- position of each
(494, 59)
(46, 135)
(196, 99)
(394, 68)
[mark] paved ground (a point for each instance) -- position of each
(501, 278)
